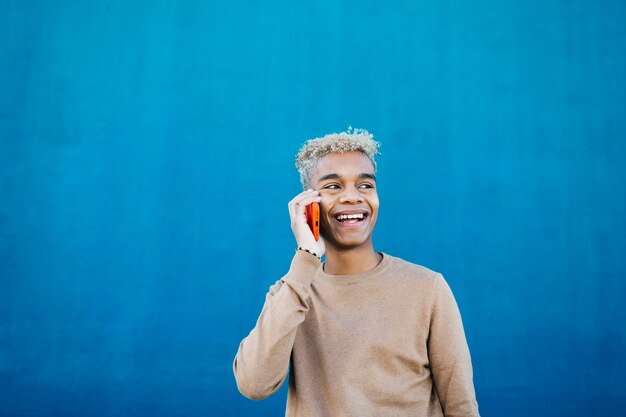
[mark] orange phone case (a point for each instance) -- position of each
(312, 213)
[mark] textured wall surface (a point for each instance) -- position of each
(146, 160)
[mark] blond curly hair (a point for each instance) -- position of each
(314, 149)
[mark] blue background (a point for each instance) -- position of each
(146, 160)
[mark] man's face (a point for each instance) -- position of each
(349, 205)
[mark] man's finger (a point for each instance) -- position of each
(303, 195)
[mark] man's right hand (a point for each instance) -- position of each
(301, 230)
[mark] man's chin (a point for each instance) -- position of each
(346, 244)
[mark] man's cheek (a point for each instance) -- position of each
(324, 206)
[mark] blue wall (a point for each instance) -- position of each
(146, 160)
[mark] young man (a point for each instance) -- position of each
(365, 333)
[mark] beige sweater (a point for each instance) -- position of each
(386, 342)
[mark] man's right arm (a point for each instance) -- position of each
(262, 361)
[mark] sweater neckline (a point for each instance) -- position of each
(355, 278)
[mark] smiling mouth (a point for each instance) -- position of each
(351, 219)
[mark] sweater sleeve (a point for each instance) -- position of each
(263, 357)
(449, 356)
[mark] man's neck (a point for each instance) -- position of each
(350, 261)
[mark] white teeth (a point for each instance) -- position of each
(350, 216)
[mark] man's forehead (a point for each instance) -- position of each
(349, 164)
(347, 161)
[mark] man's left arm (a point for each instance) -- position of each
(449, 356)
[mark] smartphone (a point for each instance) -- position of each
(312, 213)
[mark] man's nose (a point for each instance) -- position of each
(351, 195)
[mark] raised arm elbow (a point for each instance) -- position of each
(252, 387)
(253, 392)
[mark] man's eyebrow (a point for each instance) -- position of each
(329, 177)
(337, 176)
(368, 176)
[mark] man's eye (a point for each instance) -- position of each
(331, 187)
(366, 185)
